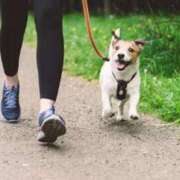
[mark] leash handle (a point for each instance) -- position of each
(89, 30)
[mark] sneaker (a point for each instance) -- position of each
(10, 107)
(51, 126)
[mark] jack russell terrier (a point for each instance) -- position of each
(120, 77)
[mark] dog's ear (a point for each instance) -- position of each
(140, 43)
(116, 34)
(115, 39)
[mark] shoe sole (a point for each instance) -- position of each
(51, 129)
(12, 121)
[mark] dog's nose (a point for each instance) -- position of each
(120, 56)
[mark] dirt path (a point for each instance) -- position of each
(92, 149)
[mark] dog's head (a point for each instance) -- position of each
(124, 53)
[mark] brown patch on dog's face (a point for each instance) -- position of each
(134, 51)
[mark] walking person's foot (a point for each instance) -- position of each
(10, 107)
(51, 126)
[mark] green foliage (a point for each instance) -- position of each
(164, 37)
(160, 61)
(30, 35)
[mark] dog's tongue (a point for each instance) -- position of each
(120, 66)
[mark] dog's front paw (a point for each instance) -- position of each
(107, 114)
(120, 118)
(134, 116)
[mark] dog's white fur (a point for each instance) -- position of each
(109, 84)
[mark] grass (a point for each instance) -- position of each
(160, 61)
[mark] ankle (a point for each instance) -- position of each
(46, 104)
(11, 81)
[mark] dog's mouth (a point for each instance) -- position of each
(121, 64)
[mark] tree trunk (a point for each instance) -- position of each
(134, 4)
(71, 5)
(107, 7)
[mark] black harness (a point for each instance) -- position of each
(122, 87)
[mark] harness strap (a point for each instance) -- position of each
(122, 87)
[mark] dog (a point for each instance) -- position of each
(120, 78)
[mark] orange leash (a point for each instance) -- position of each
(89, 30)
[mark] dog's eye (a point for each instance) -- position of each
(131, 50)
(117, 48)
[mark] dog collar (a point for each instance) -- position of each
(122, 87)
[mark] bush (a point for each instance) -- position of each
(164, 46)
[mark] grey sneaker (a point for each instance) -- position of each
(51, 126)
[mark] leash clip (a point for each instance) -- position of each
(105, 59)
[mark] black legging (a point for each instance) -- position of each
(50, 49)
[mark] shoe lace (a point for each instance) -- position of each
(10, 97)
